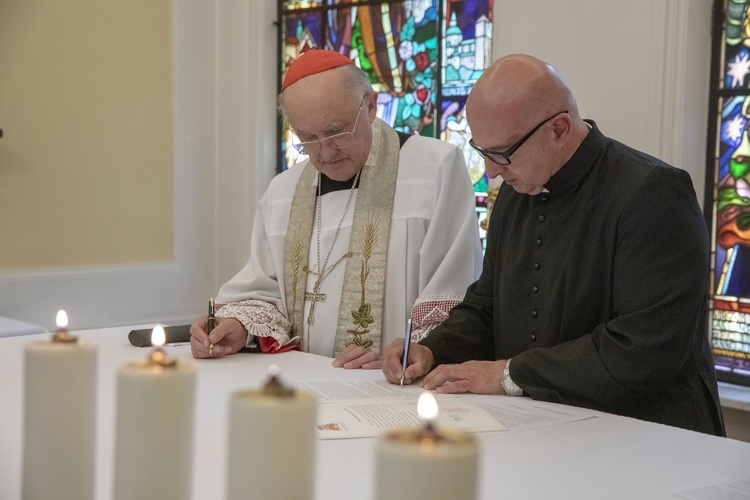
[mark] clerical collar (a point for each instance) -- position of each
(328, 185)
(581, 163)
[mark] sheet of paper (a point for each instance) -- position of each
(735, 488)
(365, 408)
(371, 418)
(358, 391)
(518, 414)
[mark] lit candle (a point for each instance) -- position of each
(59, 416)
(426, 463)
(271, 442)
(154, 426)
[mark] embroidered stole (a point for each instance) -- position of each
(360, 319)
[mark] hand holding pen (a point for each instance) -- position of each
(211, 323)
(401, 354)
(407, 341)
(227, 336)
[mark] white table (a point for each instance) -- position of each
(10, 327)
(604, 457)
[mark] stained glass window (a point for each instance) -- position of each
(422, 57)
(728, 191)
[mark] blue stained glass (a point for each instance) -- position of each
(730, 195)
(467, 51)
(301, 32)
(733, 126)
(736, 64)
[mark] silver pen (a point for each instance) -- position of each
(407, 341)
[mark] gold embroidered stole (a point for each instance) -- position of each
(360, 319)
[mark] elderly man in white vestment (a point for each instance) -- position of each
(373, 229)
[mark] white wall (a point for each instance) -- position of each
(246, 124)
(172, 292)
(638, 67)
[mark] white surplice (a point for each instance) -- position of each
(434, 252)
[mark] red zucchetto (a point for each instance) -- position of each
(312, 62)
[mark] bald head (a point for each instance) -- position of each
(522, 105)
(520, 84)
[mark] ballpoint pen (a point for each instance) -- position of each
(211, 323)
(407, 341)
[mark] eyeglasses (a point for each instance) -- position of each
(336, 141)
(503, 157)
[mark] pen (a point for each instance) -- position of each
(407, 341)
(211, 320)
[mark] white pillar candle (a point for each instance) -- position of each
(426, 463)
(59, 417)
(154, 427)
(271, 443)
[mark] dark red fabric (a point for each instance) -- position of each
(271, 346)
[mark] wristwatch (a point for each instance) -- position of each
(510, 387)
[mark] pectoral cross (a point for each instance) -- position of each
(315, 296)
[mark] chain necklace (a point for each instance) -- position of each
(323, 272)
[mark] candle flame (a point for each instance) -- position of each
(62, 318)
(158, 337)
(273, 370)
(427, 407)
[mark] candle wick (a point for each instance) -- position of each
(429, 433)
(275, 388)
(63, 336)
(160, 358)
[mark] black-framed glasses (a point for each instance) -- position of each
(336, 141)
(503, 157)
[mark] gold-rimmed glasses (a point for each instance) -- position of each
(336, 141)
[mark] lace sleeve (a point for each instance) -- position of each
(429, 311)
(264, 323)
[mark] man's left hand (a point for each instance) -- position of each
(355, 356)
(477, 377)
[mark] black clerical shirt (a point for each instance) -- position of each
(597, 288)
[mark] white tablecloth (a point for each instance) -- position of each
(10, 327)
(604, 457)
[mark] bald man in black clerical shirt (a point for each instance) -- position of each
(594, 287)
